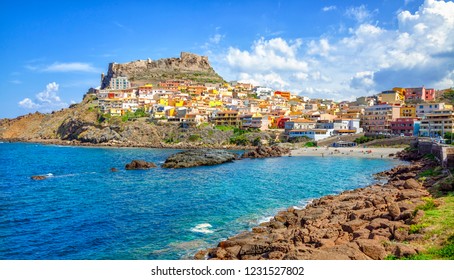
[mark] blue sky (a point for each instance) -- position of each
(53, 51)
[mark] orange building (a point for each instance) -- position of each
(283, 94)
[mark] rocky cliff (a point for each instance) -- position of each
(188, 66)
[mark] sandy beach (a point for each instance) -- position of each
(347, 152)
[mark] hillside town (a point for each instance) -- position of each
(399, 111)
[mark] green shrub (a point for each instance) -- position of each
(240, 140)
(431, 172)
(194, 137)
(416, 228)
(310, 144)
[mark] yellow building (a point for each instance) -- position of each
(390, 97)
(164, 101)
(215, 103)
(408, 111)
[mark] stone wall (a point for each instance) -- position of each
(444, 153)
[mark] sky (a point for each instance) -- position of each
(52, 52)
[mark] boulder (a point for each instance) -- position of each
(372, 248)
(264, 152)
(412, 184)
(139, 164)
(194, 158)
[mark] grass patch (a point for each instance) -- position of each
(439, 222)
(429, 205)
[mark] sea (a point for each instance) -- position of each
(84, 211)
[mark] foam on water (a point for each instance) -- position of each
(202, 228)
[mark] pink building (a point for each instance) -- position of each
(421, 93)
(403, 126)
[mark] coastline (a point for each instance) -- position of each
(368, 223)
(118, 144)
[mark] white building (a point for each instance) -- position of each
(427, 108)
(119, 83)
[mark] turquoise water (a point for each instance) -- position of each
(84, 211)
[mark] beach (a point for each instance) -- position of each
(346, 152)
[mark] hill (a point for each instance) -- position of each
(187, 67)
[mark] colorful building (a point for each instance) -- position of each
(437, 123)
(377, 119)
(403, 126)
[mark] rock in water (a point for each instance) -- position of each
(139, 164)
(39, 177)
(264, 152)
(193, 158)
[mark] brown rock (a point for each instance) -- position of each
(372, 248)
(201, 255)
(234, 250)
(351, 250)
(417, 217)
(394, 210)
(352, 226)
(277, 255)
(412, 184)
(381, 232)
(311, 214)
(256, 248)
(362, 233)
(401, 234)
(139, 164)
(403, 250)
(326, 243)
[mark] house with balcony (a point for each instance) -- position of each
(314, 134)
(403, 126)
(229, 118)
(437, 123)
(427, 108)
(377, 118)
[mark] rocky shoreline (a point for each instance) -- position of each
(113, 144)
(368, 223)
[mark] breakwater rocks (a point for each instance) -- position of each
(193, 158)
(361, 224)
(264, 152)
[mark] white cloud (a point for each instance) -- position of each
(266, 55)
(28, 103)
(363, 79)
(360, 14)
(329, 8)
(46, 100)
(367, 60)
(321, 47)
(70, 67)
(216, 39)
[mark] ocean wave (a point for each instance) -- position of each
(202, 228)
(264, 219)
